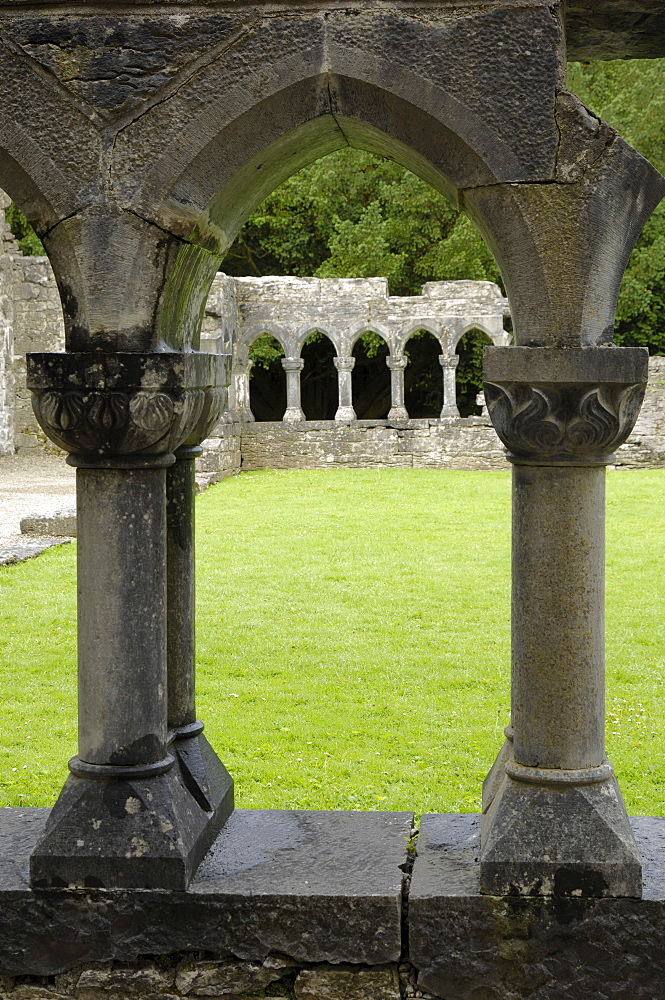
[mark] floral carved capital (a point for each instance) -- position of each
(116, 405)
(118, 423)
(559, 423)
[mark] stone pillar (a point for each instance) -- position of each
(128, 815)
(293, 367)
(239, 400)
(554, 820)
(344, 368)
(449, 363)
(397, 363)
(206, 777)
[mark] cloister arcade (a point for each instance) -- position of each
(343, 311)
(137, 139)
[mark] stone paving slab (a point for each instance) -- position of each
(313, 886)
(17, 548)
(38, 486)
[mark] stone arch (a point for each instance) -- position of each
(468, 381)
(318, 383)
(438, 331)
(358, 331)
(267, 379)
(210, 162)
(304, 333)
(273, 329)
(496, 337)
(370, 376)
(423, 382)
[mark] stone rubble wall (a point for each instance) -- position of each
(197, 977)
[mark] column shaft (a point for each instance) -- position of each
(344, 366)
(293, 367)
(397, 363)
(180, 493)
(449, 365)
(121, 615)
(558, 616)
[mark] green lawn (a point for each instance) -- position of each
(353, 641)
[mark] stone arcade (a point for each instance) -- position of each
(137, 139)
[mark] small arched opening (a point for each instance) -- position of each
(469, 374)
(318, 384)
(370, 378)
(423, 381)
(267, 378)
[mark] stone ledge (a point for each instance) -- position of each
(466, 945)
(312, 886)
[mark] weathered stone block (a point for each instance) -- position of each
(348, 984)
(214, 979)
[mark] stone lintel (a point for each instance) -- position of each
(627, 365)
(313, 886)
(108, 370)
(466, 945)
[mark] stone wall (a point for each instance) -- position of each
(469, 443)
(8, 249)
(196, 978)
(38, 326)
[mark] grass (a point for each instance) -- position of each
(353, 641)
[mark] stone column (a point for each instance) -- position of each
(554, 819)
(239, 390)
(397, 363)
(449, 363)
(293, 367)
(344, 368)
(206, 777)
(128, 815)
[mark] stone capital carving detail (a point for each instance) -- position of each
(344, 364)
(449, 360)
(554, 423)
(119, 405)
(396, 361)
(293, 364)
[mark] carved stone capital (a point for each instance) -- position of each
(344, 364)
(293, 364)
(580, 406)
(396, 361)
(449, 360)
(104, 406)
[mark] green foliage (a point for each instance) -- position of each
(28, 241)
(352, 215)
(469, 375)
(630, 96)
(265, 350)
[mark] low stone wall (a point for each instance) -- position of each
(198, 978)
(221, 453)
(469, 443)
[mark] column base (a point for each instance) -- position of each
(497, 773)
(398, 413)
(293, 414)
(450, 410)
(563, 833)
(345, 414)
(129, 832)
